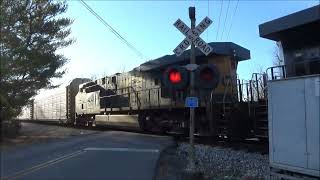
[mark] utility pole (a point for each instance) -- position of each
(192, 16)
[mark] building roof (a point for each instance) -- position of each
(219, 48)
(305, 22)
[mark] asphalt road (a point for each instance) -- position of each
(65, 153)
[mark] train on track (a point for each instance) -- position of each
(140, 99)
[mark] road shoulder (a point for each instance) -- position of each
(170, 166)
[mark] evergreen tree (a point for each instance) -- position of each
(31, 33)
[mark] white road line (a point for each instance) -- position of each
(122, 149)
(43, 165)
(68, 156)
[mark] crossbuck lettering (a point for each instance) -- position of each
(192, 35)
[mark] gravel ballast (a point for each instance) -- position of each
(226, 163)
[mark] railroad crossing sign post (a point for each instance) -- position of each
(192, 38)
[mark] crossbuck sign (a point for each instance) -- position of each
(192, 35)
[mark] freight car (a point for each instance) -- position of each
(57, 107)
(139, 98)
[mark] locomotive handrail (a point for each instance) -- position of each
(224, 96)
(243, 86)
(290, 65)
(138, 99)
(259, 84)
(114, 95)
(241, 89)
(272, 71)
(252, 90)
(128, 93)
(135, 91)
(110, 96)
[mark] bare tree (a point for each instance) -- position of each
(122, 69)
(277, 56)
(278, 60)
(93, 77)
(104, 74)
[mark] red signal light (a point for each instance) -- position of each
(206, 74)
(174, 76)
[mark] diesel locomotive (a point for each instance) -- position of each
(142, 97)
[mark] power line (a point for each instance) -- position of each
(234, 13)
(225, 20)
(138, 53)
(208, 16)
(219, 20)
(135, 50)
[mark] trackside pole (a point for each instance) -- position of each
(192, 16)
(192, 38)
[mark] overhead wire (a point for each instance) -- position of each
(219, 20)
(231, 21)
(208, 16)
(129, 45)
(225, 20)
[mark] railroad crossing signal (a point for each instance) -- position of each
(177, 77)
(192, 35)
(193, 39)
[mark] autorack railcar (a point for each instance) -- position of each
(58, 107)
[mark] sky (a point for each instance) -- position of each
(148, 25)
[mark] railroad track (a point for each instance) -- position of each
(97, 128)
(250, 146)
